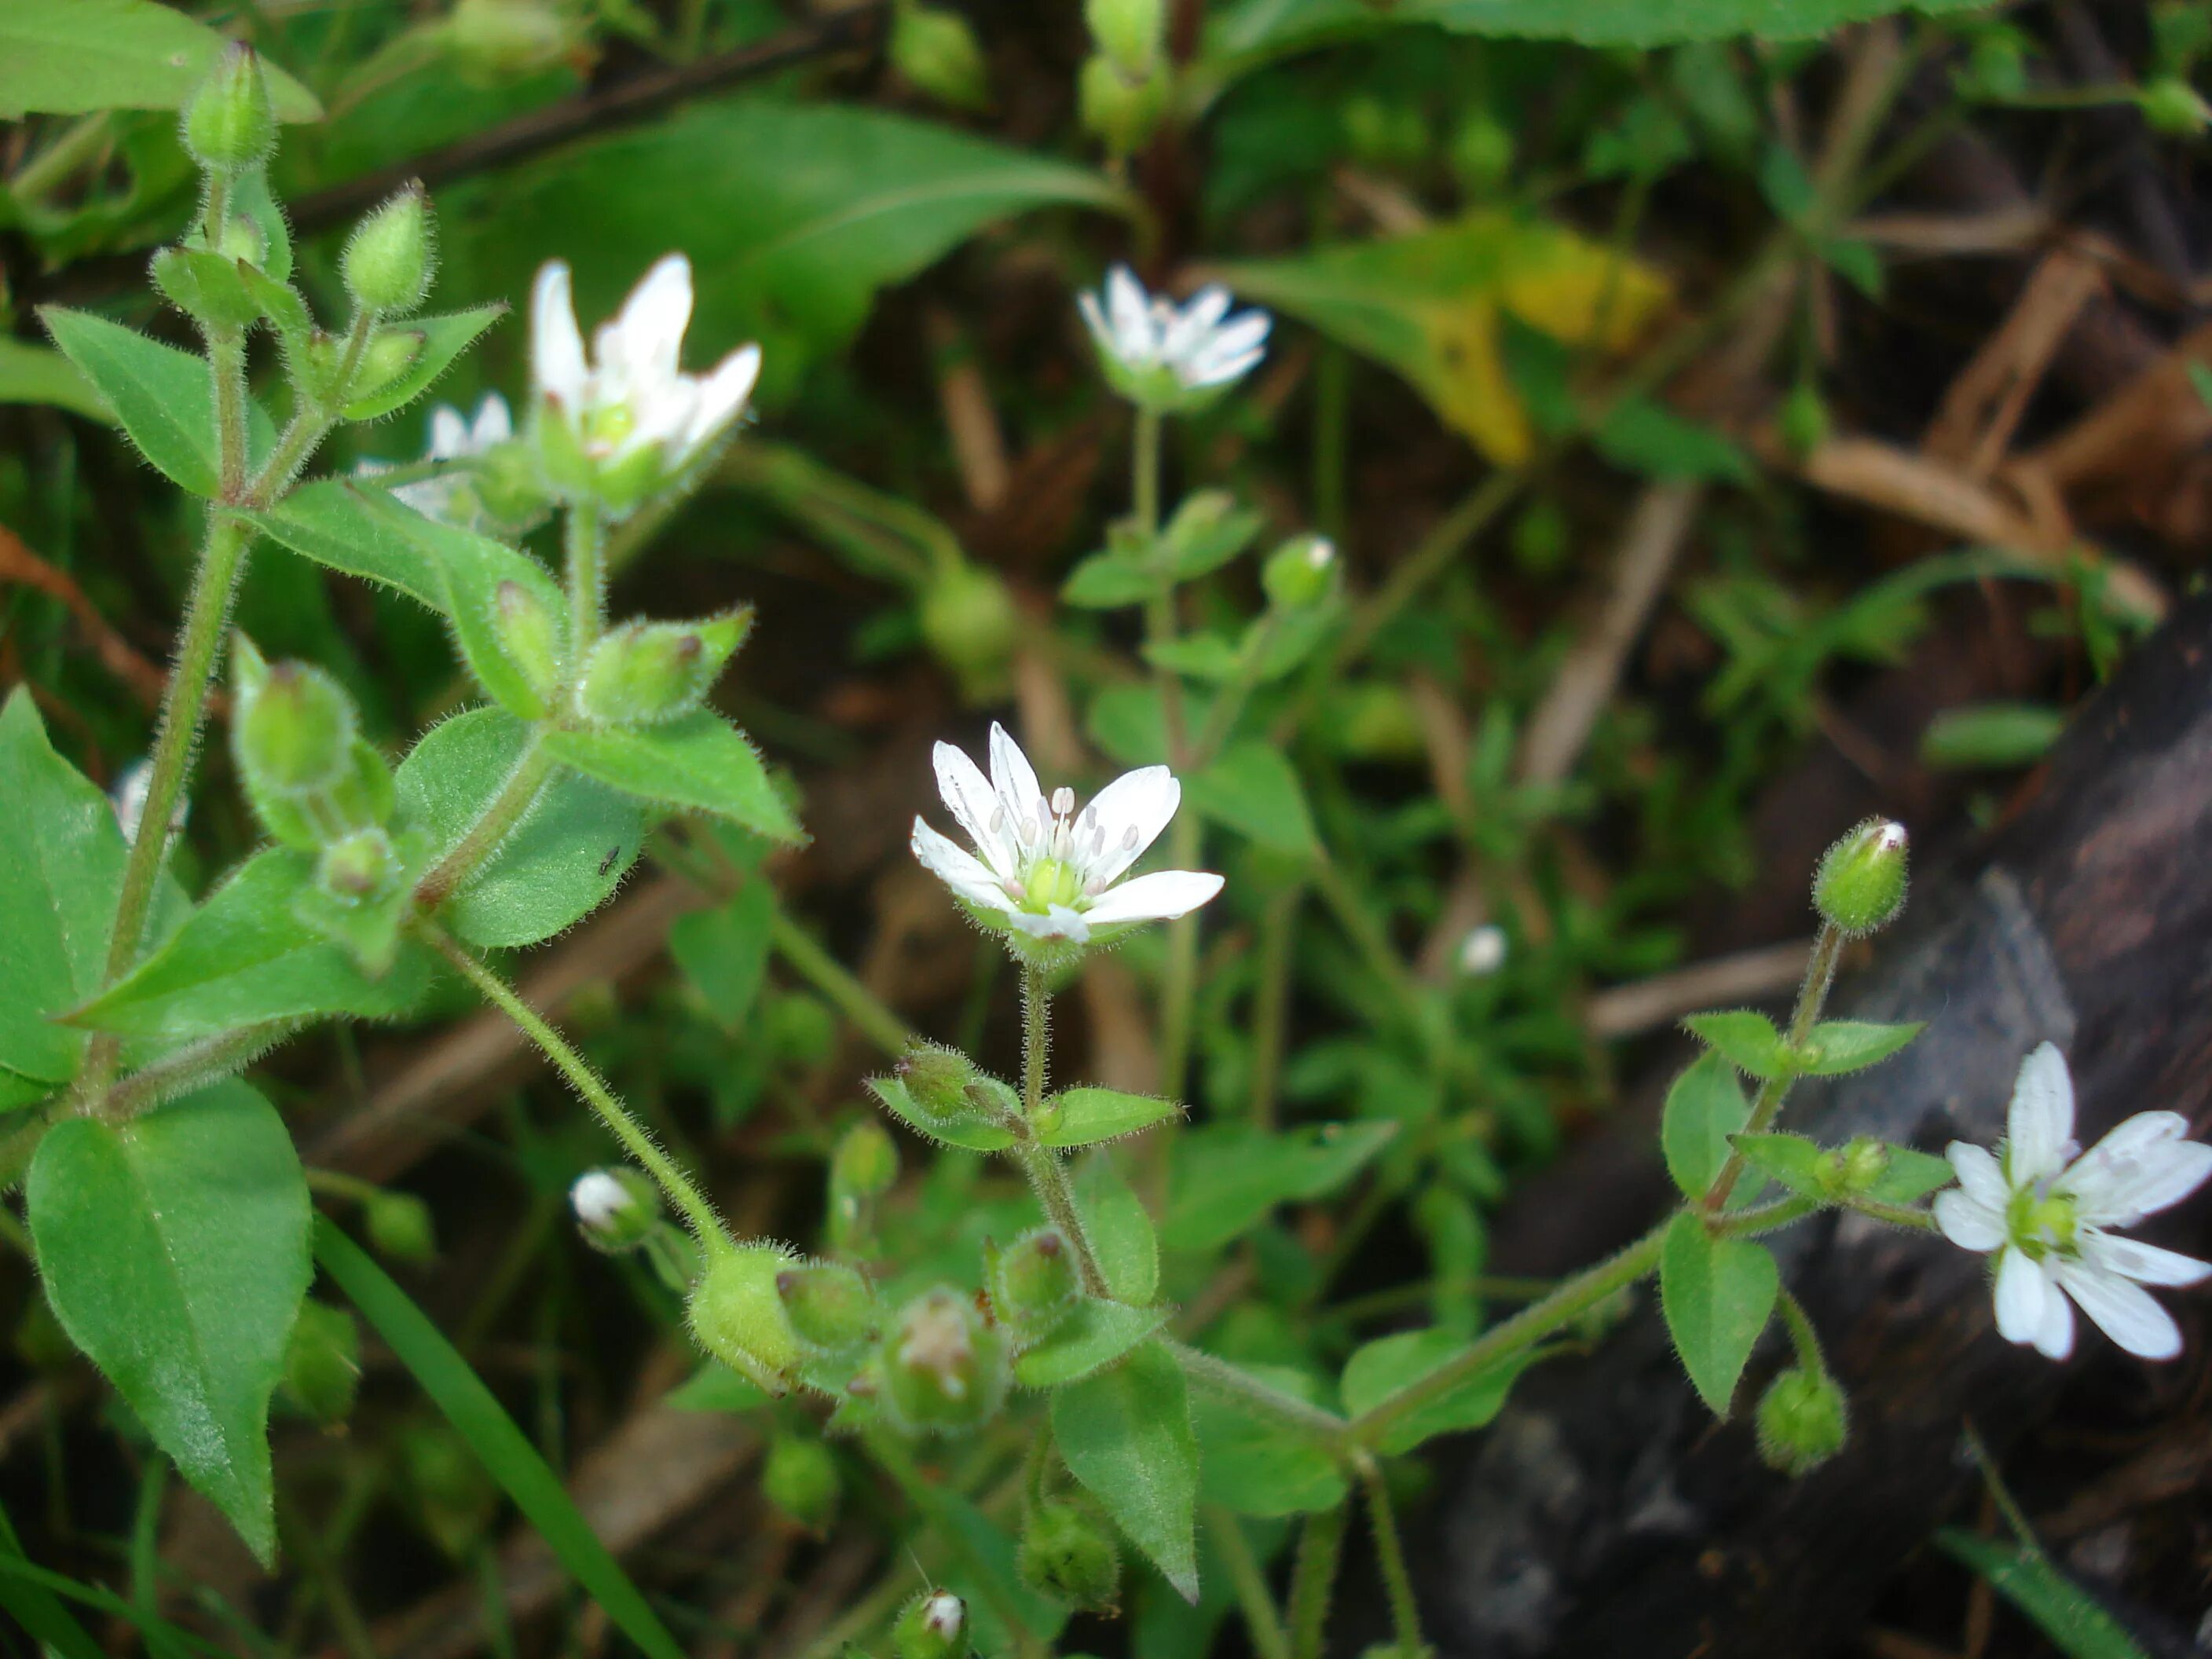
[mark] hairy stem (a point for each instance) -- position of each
(1262, 1623)
(1041, 1166)
(1391, 1556)
(636, 1141)
(1812, 997)
(585, 539)
(1313, 1580)
(1204, 1370)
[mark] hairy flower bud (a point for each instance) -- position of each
(294, 727)
(496, 41)
(934, 1625)
(944, 1367)
(738, 1316)
(390, 257)
(530, 637)
(1067, 1553)
(617, 1209)
(800, 1478)
(322, 1362)
(356, 867)
(831, 1308)
(936, 50)
(942, 1084)
(1033, 1283)
(1121, 112)
(400, 1228)
(1862, 880)
(1130, 34)
(1802, 1422)
(229, 124)
(1300, 572)
(864, 1162)
(645, 672)
(1482, 153)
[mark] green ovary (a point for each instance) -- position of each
(1049, 882)
(2040, 1223)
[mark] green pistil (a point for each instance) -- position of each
(2040, 1223)
(1049, 882)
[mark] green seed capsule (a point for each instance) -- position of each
(645, 672)
(1802, 1422)
(738, 1316)
(831, 1308)
(230, 126)
(800, 1478)
(294, 730)
(390, 257)
(1067, 1553)
(945, 1368)
(1862, 880)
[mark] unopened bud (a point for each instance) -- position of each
(497, 41)
(1299, 572)
(1803, 1422)
(1482, 153)
(2171, 105)
(934, 1625)
(969, 623)
(617, 1209)
(389, 258)
(800, 1478)
(1857, 1166)
(1862, 880)
(645, 672)
(356, 867)
(864, 1162)
(944, 1367)
(529, 636)
(1067, 1553)
(229, 124)
(937, 50)
(293, 729)
(399, 1227)
(738, 1316)
(1482, 952)
(1118, 112)
(1033, 1283)
(831, 1308)
(388, 356)
(1129, 32)
(241, 240)
(322, 1362)
(942, 1084)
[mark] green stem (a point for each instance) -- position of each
(1320, 1545)
(1036, 1039)
(1760, 1218)
(640, 1145)
(1802, 1337)
(505, 811)
(807, 957)
(1270, 1002)
(226, 358)
(1041, 1166)
(587, 578)
(1573, 1298)
(1812, 997)
(173, 1074)
(1263, 1625)
(1204, 1370)
(1391, 1556)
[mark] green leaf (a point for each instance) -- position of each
(39, 374)
(344, 527)
(1126, 1435)
(724, 952)
(1991, 736)
(1253, 790)
(1643, 436)
(1092, 1337)
(174, 1249)
(1748, 1041)
(1717, 1295)
(1200, 656)
(164, 398)
(242, 958)
(491, 1432)
(560, 863)
(1228, 1176)
(1255, 31)
(1704, 1107)
(1835, 1047)
(72, 57)
(1792, 1160)
(444, 338)
(1083, 1117)
(808, 209)
(700, 762)
(1255, 1464)
(61, 868)
(1818, 1172)
(1120, 1228)
(1109, 581)
(1911, 1176)
(977, 1137)
(2073, 1619)
(1382, 1368)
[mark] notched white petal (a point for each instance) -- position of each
(2124, 1311)
(1013, 777)
(2019, 1295)
(1978, 1174)
(556, 345)
(1130, 813)
(2146, 1264)
(1967, 1223)
(962, 871)
(2040, 1121)
(1161, 897)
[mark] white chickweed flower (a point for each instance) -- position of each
(1041, 867)
(453, 437)
(1162, 357)
(598, 1198)
(626, 420)
(1483, 951)
(2042, 1207)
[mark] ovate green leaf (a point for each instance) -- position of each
(1835, 1047)
(1748, 1041)
(71, 57)
(1126, 1435)
(1082, 1117)
(1228, 1176)
(1254, 789)
(700, 762)
(1093, 1336)
(1384, 1366)
(724, 952)
(1704, 1107)
(1254, 1463)
(1716, 1294)
(164, 398)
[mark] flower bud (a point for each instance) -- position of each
(968, 621)
(1130, 34)
(942, 1084)
(1861, 884)
(800, 1478)
(1802, 1422)
(617, 1209)
(322, 1362)
(389, 258)
(241, 240)
(737, 1315)
(645, 672)
(399, 1227)
(529, 636)
(864, 1162)
(1298, 574)
(1858, 1165)
(1804, 422)
(389, 355)
(229, 124)
(937, 50)
(933, 1627)
(1118, 112)
(1033, 1283)
(294, 727)
(356, 867)
(496, 41)
(2170, 106)
(1067, 1553)
(831, 1308)
(944, 1367)
(1482, 153)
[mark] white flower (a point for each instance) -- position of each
(1483, 951)
(635, 418)
(1166, 358)
(453, 437)
(1050, 871)
(2044, 1212)
(599, 1199)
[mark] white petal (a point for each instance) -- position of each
(1161, 897)
(2041, 1117)
(646, 338)
(1130, 309)
(1015, 779)
(2146, 1264)
(2145, 1164)
(1212, 371)
(1059, 922)
(2124, 1311)
(957, 869)
(556, 346)
(449, 433)
(974, 802)
(494, 424)
(1187, 332)
(2021, 1293)
(1141, 801)
(722, 394)
(1967, 1223)
(1094, 318)
(2054, 1337)
(1980, 1175)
